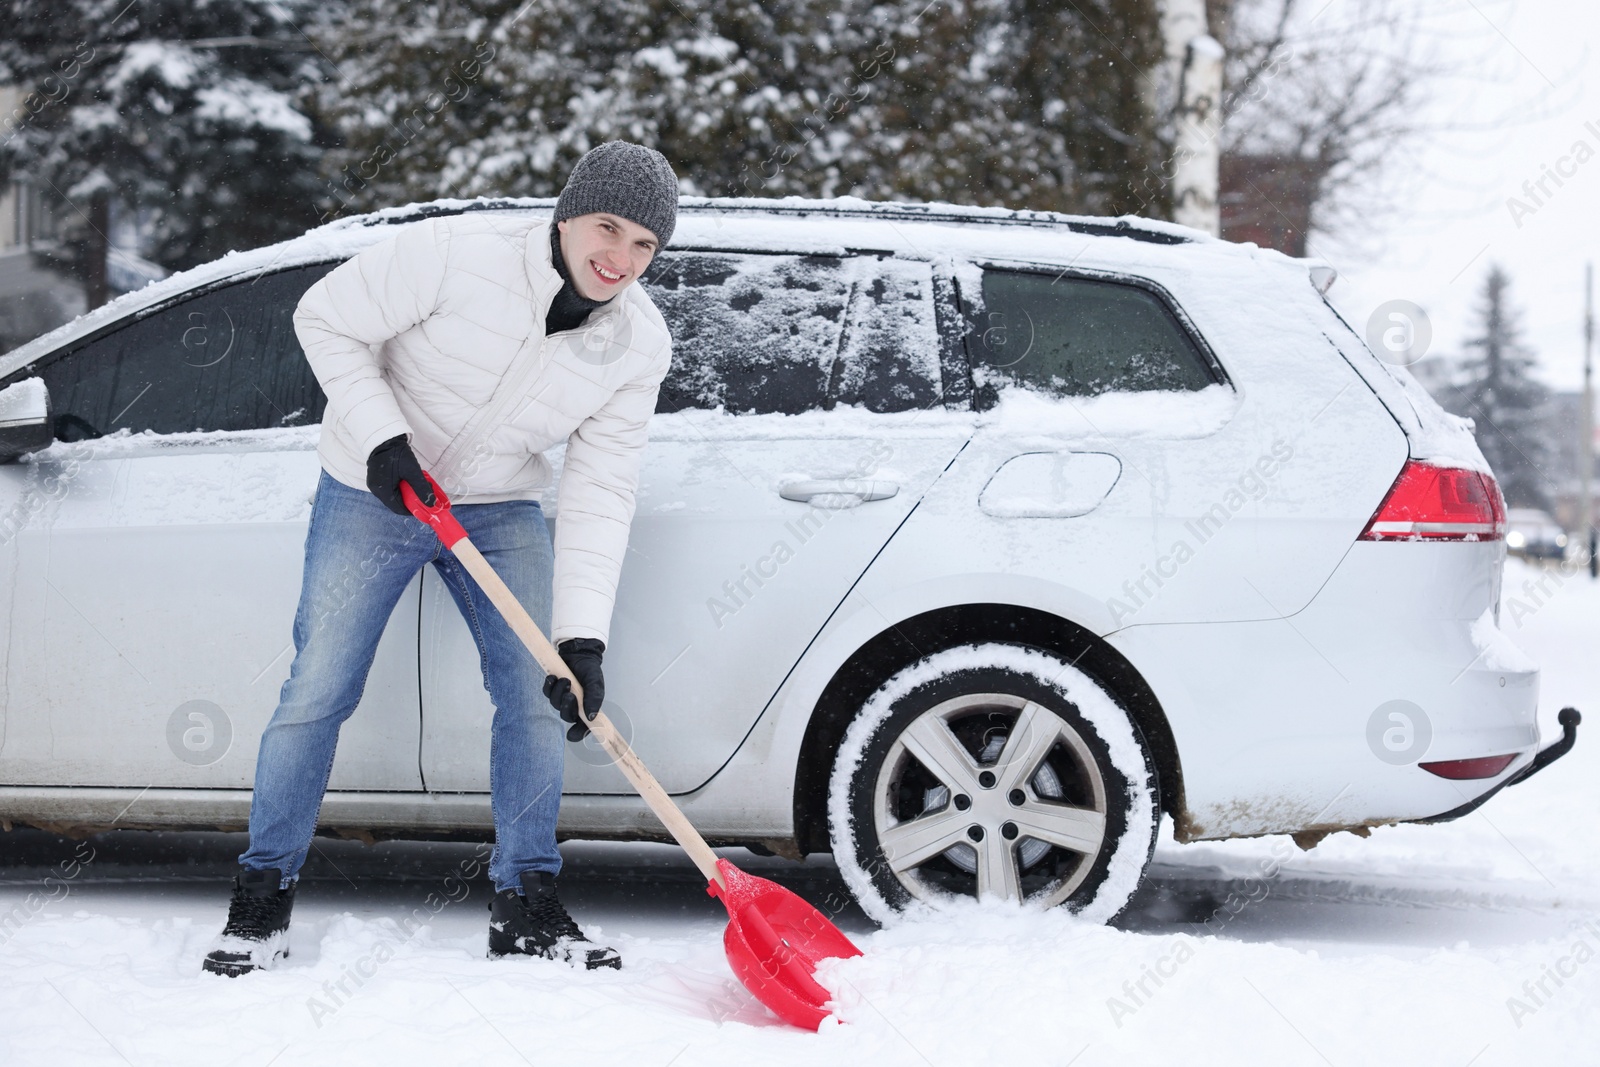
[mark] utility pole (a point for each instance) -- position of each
(1586, 526)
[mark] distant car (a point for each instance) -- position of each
(968, 542)
(1533, 534)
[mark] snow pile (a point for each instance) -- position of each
(1168, 415)
(843, 422)
(125, 442)
(1469, 942)
(989, 985)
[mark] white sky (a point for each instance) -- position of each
(1527, 70)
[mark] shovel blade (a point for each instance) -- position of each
(775, 941)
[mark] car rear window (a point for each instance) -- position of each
(1075, 336)
(758, 334)
(224, 360)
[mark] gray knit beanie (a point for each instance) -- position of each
(627, 180)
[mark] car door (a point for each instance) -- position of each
(802, 421)
(155, 575)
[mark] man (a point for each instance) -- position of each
(469, 345)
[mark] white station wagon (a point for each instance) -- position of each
(969, 542)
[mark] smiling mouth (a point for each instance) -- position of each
(606, 276)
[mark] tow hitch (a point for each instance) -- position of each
(1569, 720)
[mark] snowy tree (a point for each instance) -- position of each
(1499, 393)
(408, 91)
(188, 113)
(1017, 102)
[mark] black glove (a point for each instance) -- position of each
(390, 464)
(582, 657)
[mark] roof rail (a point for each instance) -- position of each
(1147, 230)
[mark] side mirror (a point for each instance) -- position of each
(24, 418)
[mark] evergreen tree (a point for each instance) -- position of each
(409, 92)
(186, 112)
(1501, 396)
(1015, 102)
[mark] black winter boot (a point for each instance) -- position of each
(537, 925)
(257, 933)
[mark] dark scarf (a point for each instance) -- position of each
(570, 307)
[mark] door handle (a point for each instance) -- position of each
(863, 490)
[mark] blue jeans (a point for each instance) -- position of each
(360, 556)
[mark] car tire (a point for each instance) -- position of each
(992, 770)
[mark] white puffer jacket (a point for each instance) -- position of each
(439, 333)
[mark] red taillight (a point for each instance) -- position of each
(1463, 769)
(1428, 503)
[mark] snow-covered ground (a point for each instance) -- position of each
(1474, 942)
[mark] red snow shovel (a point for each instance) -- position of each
(774, 939)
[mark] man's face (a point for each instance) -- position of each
(605, 253)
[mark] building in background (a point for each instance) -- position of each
(1268, 199)
(42, 284)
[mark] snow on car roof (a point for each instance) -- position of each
(725, 222)
(1127, 226)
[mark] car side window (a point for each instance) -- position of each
(1075, 336)
(224, 360)
(889, 358)
(759, 334)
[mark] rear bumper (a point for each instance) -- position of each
(1569, 719)
(1319, 720)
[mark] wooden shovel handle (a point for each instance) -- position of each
(456, 540)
